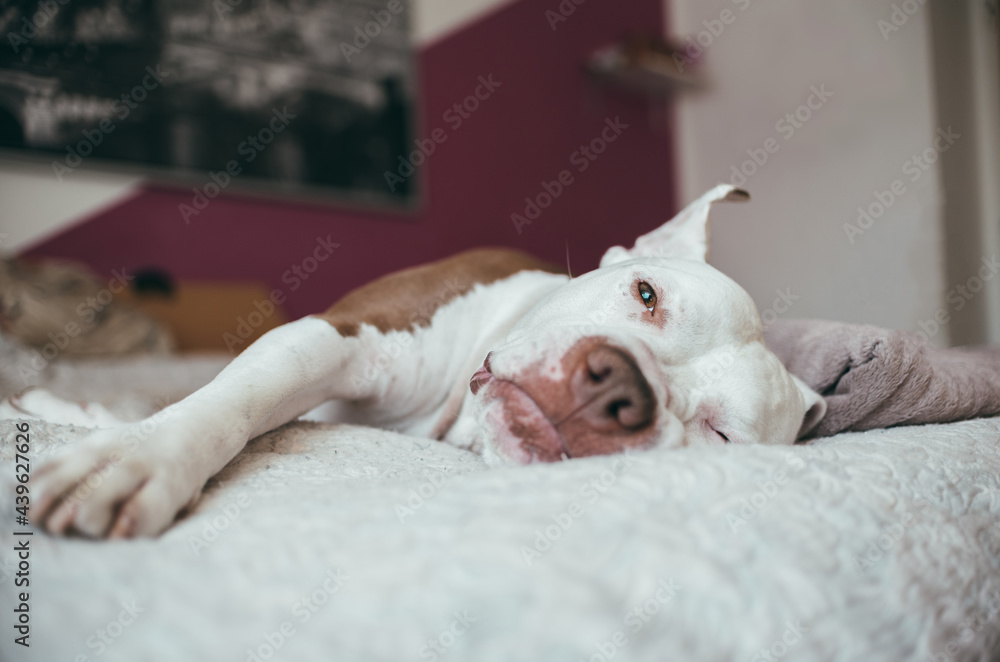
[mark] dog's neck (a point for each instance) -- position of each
(469, 327)
(465, 304)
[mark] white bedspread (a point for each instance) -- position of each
(876, 546)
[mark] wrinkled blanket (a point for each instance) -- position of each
(877, 378)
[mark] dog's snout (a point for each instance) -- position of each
(611, 393)
(596, 401)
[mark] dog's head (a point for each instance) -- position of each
(654, 347)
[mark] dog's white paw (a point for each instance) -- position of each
(115, 484)
(42, 404)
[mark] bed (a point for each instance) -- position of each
(333, 542)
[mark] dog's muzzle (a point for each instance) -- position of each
(603, 404)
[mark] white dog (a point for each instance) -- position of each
(654, 348)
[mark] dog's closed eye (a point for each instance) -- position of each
(716, 434)
(647, 295)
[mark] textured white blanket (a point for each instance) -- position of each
(324, 542)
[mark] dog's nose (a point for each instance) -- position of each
(610, 393)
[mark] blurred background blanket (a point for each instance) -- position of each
(877, 378)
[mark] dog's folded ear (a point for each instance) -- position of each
(685, 236)
(815, 408)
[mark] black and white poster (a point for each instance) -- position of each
(298, 95)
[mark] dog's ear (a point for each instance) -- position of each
(815, 408)
(684, 236)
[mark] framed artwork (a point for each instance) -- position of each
(310, 97)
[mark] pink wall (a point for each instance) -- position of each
(526, 132)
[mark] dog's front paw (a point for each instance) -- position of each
(114, 484)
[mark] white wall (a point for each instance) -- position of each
(881, 113)
(34, 204)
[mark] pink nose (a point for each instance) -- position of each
(610, 394)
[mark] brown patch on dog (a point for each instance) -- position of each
(408, 299)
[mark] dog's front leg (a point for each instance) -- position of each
(133, 480)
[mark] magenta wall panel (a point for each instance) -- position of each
(526, 132)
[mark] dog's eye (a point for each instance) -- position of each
(647, 295)
(725, 439)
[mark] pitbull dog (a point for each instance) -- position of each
(490, 350)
